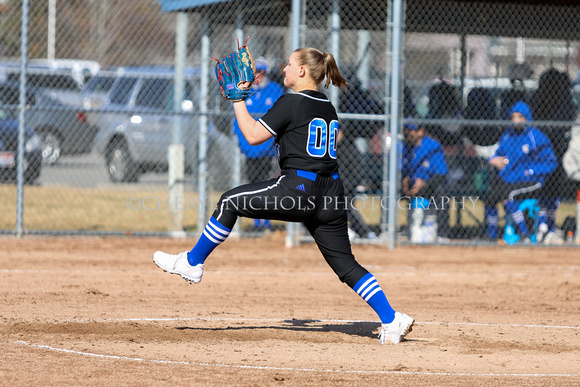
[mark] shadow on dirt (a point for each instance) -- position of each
(362, 329)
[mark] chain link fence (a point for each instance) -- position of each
(113, 86)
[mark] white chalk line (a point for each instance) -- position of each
(269, 368)
(316, 320)
(566, 271)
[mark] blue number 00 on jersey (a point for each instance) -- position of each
(321, 138)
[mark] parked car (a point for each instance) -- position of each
(81, 70)
(96, 92)
(63, 79)
(9, 126)
(97, 89)
(63, 129)
(136, 126)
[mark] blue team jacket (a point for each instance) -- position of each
(424, 160)
(530, 154)
(260, 102)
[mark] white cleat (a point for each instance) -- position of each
(178, 264)
(553, 238)
(396, 330)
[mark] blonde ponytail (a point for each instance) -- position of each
(321, 66)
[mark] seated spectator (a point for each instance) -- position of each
(553, 101)
(423, 171)
(522, 161)
(355, 166)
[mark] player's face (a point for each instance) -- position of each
(412, 137)
(518, 117)
(519, 121)
(291, 71)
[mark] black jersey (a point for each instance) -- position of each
(305, 126)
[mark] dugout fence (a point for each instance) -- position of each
(123, 131)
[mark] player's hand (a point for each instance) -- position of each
(498, 162)
(236, 72)
(405, 186)
(418, 186)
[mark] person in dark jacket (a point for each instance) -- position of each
(445, 103)
(522, 161)
(553, 101)
(355, 166)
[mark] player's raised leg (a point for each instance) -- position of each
(246, 200)
(189, 265)
(178, 264)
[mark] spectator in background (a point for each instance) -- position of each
(445, 103)
(258, 158)
(409, 109)
(423, 171)
(553, 101)
(481, 106)
(354, 161)
(522, 161)
(518, 73)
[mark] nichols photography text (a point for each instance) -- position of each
(306, 203)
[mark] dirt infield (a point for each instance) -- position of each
(97, 311)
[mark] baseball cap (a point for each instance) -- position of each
(262, 64)
(410, 125)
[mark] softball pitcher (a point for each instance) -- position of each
(309, 190)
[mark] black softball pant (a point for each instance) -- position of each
(299, 196)
(498, 190)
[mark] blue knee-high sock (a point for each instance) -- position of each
(517, 215)
(542, 216)
(543, 213)
(368, 288)
(492, 221)
(262, 222)
(213, 235)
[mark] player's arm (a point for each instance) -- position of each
(254, 132)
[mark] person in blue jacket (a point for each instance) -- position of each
(423, 170)
(258, 158)
(522, 162)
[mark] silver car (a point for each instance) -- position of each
(63, 129)
(136, 126)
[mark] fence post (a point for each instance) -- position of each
(176, 149)
(397, 18)
(291, 228)
(21, 120)
(237, 152)
(577, 241)
(203, 125)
